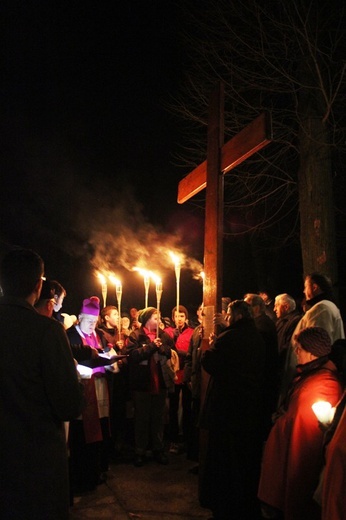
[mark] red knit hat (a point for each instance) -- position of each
(315, 340)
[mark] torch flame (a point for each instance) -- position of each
(175, 258)
(102, 278)
(143, 272)
(156, 278)
(114, 280)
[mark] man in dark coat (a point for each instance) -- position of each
(39, 390)
(287, 319)
(267, 329)
(232, 414)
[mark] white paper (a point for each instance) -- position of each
(108, 355)
(85, 372)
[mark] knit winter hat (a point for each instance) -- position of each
(315, 340)
(145, 314)
(91, 306)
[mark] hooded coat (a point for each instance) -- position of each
(292, 458)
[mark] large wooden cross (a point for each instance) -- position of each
(221, 158)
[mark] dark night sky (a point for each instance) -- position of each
(88, 177)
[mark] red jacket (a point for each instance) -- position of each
(292, 459)
(181, 342)
(334, 479)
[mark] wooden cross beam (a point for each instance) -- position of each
(221, 158)
(255, 136)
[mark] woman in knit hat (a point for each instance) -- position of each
(292, 458)
(149, 350)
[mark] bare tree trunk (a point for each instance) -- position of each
(317, 221)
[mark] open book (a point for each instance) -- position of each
(100, 364)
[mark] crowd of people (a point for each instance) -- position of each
(81, 389)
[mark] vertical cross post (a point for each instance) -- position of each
(221, 158)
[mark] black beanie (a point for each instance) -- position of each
(145, 314)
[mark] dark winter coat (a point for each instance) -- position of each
(141, 349)
(192, 368)
(267, 329)
(39, 390)
(232, 414)
(236, 365)
(285, 327)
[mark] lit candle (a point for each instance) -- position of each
(103, 288)
(177, 266)
(118, 292)
(323, 411)
(158, 300)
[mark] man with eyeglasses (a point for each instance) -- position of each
(39, 390)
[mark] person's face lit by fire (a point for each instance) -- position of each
(151, 324)
(311, 289)
(112, 319)
(58, 301)
(87, 323)
(281, 308)
(228, 316)
(303, 356)
(179, 319)
(199, 313)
